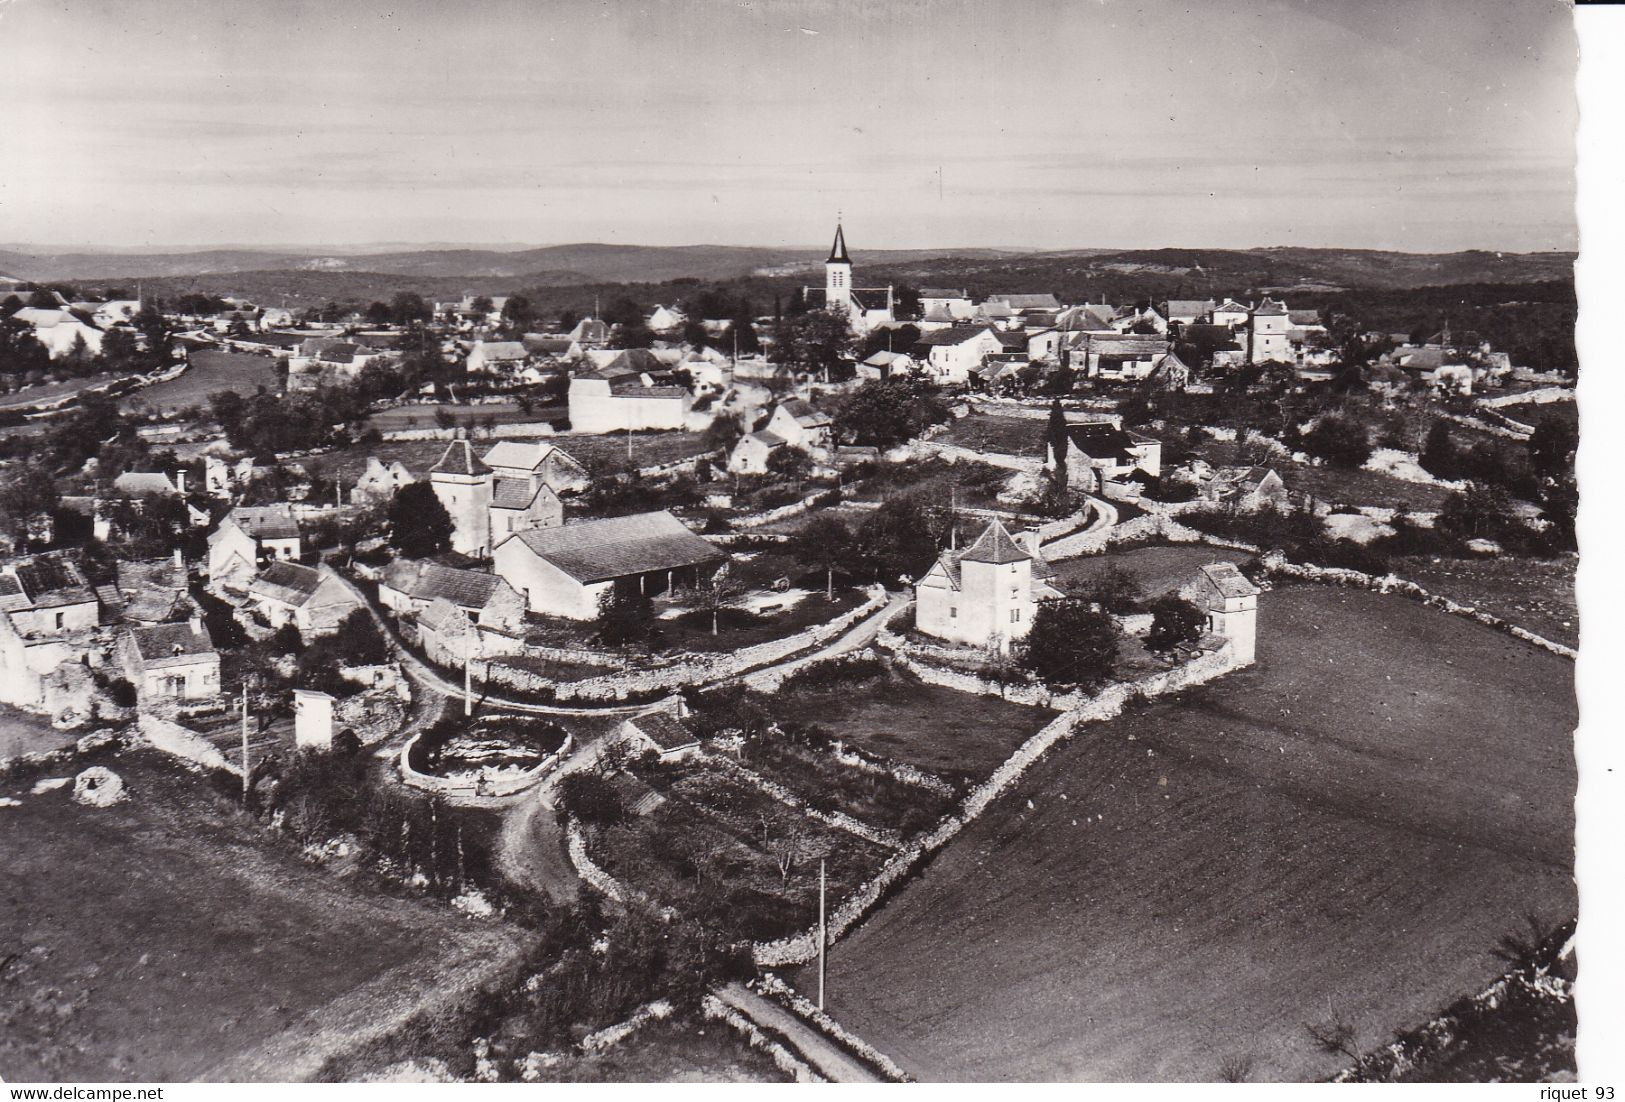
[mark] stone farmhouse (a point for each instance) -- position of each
(516, 487)
(983, 596)
(378, 482)
(495, 357)
(794, 423)
(170, 662)
(311, 598)
(152, 592)
(408, 588)
(48, 619)
(949, 356)
(1102, 453)
(566, 571)
(248, 537)
(669, 737)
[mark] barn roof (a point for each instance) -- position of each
(664, 730)
(620, 547)
(265, 522)
(172, 641)
(288, 583)
(459, 458)
(1228, 580)
(994, 545)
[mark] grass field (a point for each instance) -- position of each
(168, 939)
(48, 392)
(26, 733)
(960, 737)
(423, 416)
(1536, 594)
(210, 371)
(1339, 834)
(992, 433)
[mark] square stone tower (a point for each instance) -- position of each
(463, 483)
(1231, 604)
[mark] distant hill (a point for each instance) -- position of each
(580, 263)
(575, 273)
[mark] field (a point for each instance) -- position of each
(49, 392)
(167, 939)
(1002, 435)
(1339, 835)
(26, 733)
(960, 737)
(210, 371)
(682, 1049)
(422, 416)
(1536, 594)
(1160, 568)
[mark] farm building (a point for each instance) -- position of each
(171, 661)
(248, 537)
(312, 599)
(665, 734)
(408, 587)
(1104, 452)
(612, 400)
(1231, 604)
(565, 571)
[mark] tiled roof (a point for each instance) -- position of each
(636, 795)
(951, 337)
(940, 292)
(463, 588)
(1027, 302)
(459, 458)
(1271, 306)
(995, 546)
(287, 582)
(143, 482)
(1190, 307)
(514, 493)
(171, 641)
(804, 413)
(1100, 441)
(1229, 581)
(619, 547)
(52, 580)
(1303, 317)
(502, 350)
(265, 522)
(664, 730)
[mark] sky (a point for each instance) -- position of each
(1422, 125)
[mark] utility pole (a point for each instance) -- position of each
(823, 934)
(468, 675)
(245, 742)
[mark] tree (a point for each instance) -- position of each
(818, 342)
(1059, 440)
(894, 542)
(1439, 456)
(1552, 447)
(587, 795)
(790, 463)
(824, 542)
(154, 326)
(634, 335)
(741, 334)
(624, 616)
(518, 313)
(419, 525)
(482, 305)
(714, 594)
(884, 413)
(1338, 439)
(1175, 622)
(723, 432)
(1116, 590)
(1071, 643)
(358, 640)
(1480, 511)
(379, 313)
(408, 307)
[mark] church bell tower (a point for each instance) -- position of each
(838, 275)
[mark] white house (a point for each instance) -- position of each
(950, 355)
(798, 423)
(983, 596)
(59, 331)
(1231, 604)
(247, 538)
(495, 357)
(752, 451)
(1231, 313)
(1103, 452)
(610, 400)
(664, 319)
(1269, 340)
(565, 571)
(537, 459)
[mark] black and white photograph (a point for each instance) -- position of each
(799, 541)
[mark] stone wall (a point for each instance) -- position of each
(468, 793)
(694, 670)
(184, 743)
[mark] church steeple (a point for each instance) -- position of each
(837, 251)
(838, 274)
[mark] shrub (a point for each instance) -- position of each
(588, 796)
(849, 670)
(121, 693)
(1338, 439)
(1174, 622)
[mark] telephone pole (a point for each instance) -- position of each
(468, 674)
(823, 934)
(245, 742)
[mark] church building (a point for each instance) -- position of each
(866, 308)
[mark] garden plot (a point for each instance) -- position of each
(1339, 835)
(720, 848)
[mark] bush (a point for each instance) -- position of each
(121, 693)
(850, 670)
(1338, 439)
(588, 796)
(1174, 622)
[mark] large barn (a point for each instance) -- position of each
(566, 571)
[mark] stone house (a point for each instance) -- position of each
(48, 617)
(378, 483)
(669, 737)
(249, 537)
(537, 459)
(612, 400)
(1103, 452)
(1248, 489)
(313, 599)
(171, 661)
(495, 357)
(949, 356)
(752, 451)
(796, 422)
(565, 571)
(985, 595)
(408, 587)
